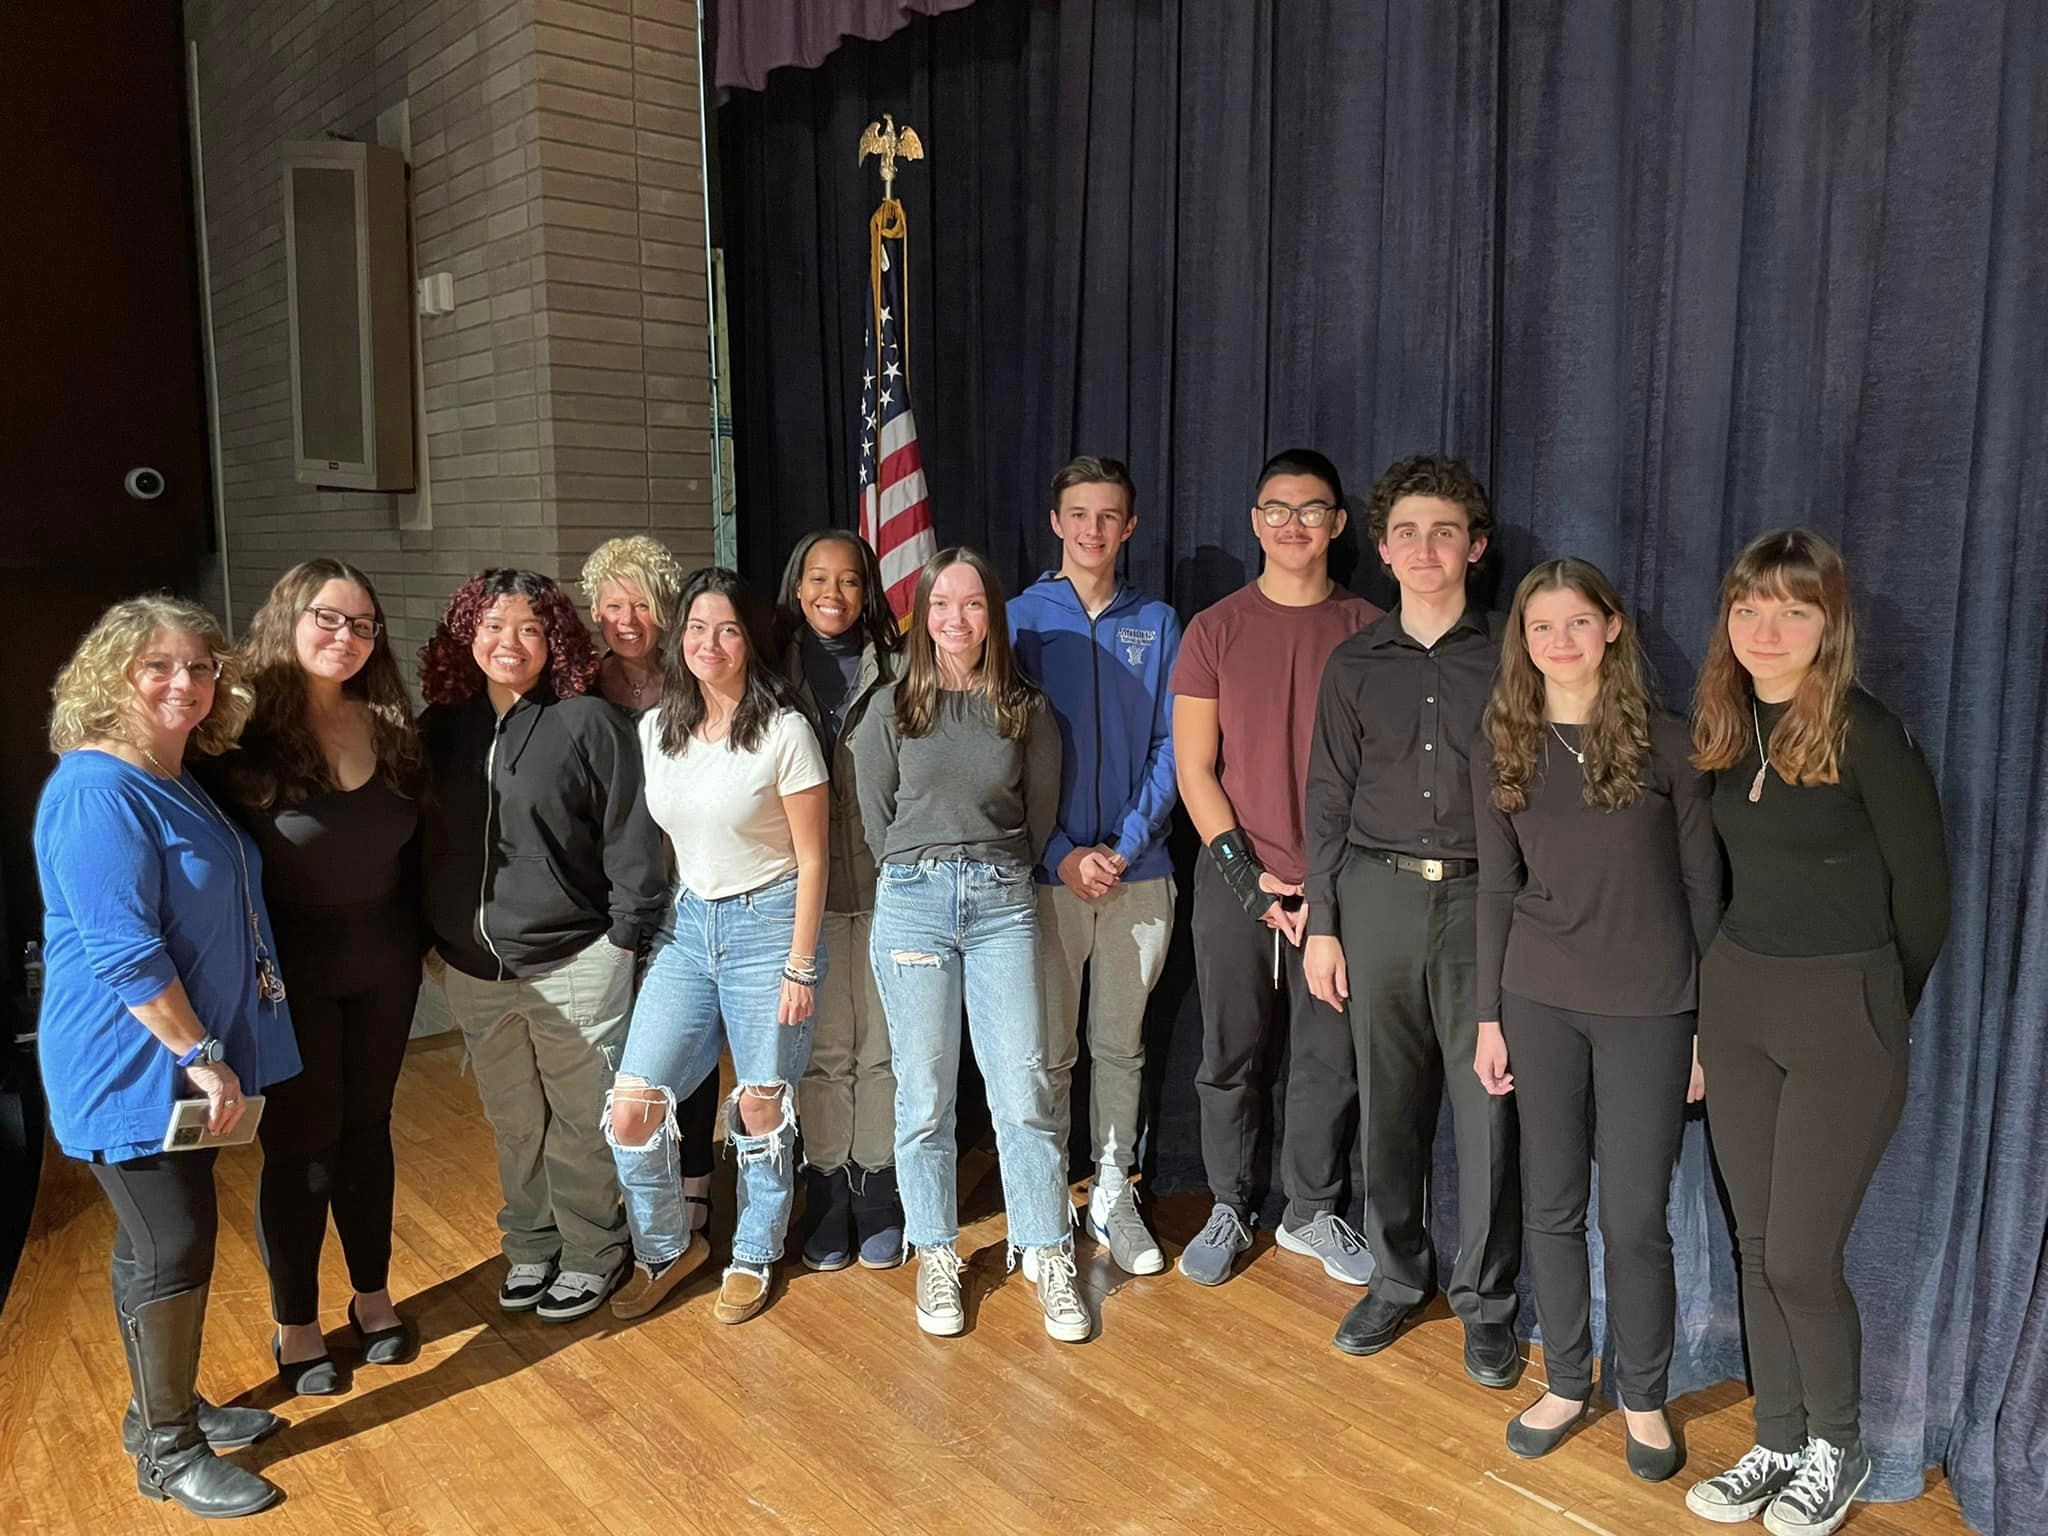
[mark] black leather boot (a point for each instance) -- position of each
(225, 1429)
(877, 1218)
(174, 1461)
(827, 1219)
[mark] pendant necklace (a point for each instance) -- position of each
(1579, 756)
(1756, 785)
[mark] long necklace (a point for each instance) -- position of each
(268, 983)
(1577, 755)
(1756, 785)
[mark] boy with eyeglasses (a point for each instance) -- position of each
(1243, 713)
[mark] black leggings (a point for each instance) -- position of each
(165, 1220)
(1806, 1074)
(1624, 1079)
(695, 1117)
(327, 1143)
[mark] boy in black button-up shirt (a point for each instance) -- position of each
(1392, 897)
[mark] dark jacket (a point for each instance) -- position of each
(852, 884)
(538, 837)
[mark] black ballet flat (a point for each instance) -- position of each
(1529, 1443)
(1655, 1463)
(386, 1346)
(318, 1377)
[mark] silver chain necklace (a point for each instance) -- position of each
(1577, 755)
(269, 984)
(1756, 785)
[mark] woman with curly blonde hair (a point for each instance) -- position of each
(161, 984)
(1599, 887)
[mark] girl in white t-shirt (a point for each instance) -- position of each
(737, 783)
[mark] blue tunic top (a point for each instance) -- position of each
(143, 886)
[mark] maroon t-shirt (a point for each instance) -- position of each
(1262, 663)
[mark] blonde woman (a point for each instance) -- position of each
(631, 586)
(162, 984)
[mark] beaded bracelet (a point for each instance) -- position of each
(801, 978)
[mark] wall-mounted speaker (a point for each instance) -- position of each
(349, 268)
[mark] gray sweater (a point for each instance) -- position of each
(962, 792)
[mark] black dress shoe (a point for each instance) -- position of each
(318, 1377)
(385, 1346)
(1372, 1324)
(1492, 1358)
(1655, 1463)
(1530, 1443)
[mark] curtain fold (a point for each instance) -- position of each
(1667, 275)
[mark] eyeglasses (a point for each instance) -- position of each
(333, 620)
(1278, 514)
(161, 669)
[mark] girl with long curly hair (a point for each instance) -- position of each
(1599, 887)
(327, 778)
(544, 882)
(958, 763)
(1838, 909)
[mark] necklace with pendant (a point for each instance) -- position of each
(1756, 785)
(1577, 756)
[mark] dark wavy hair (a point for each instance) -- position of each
(877, 622)
(280, 761)
(763, 696)
(449, 674)
(1010, 693)
(1616, 738)
(1429, 474)
(1795, 565)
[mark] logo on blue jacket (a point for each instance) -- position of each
(1134, 642)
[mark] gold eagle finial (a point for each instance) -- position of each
(892, 144)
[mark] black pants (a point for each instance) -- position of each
(1624, 1078)
(1805, 1061)
(695, 1117)
(327, 1142)
(1234, 970)
(1411, 950)
(166, 1218)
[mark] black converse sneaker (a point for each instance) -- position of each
(1731, 1497)
(1818, 1501)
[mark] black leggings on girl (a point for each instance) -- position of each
(1805, 1061)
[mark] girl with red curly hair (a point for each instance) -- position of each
(544, 881)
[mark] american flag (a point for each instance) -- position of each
(895, 512)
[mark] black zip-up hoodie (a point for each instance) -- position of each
(538, 837)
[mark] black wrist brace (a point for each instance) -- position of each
(1241, 872)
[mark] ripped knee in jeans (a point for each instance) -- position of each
(637, 1112)
(772, 1107)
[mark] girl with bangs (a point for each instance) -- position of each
(1599, 887)
(1838, 910)
(327, 779)
(958, 765)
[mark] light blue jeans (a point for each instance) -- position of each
(715, 980)
(948, 929)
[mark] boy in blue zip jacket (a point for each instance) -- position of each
(1103, 653)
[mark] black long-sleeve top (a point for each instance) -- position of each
(1831, 869)
(1389, 768)
(1603, 912)
(538, 837)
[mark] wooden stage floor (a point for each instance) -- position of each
(1192, 1410)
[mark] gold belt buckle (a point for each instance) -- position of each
(1432, 869)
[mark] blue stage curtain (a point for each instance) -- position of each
(1667, 274)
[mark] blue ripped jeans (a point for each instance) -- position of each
(948, 930)
(715, 981)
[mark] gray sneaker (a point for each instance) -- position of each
(1333, 1240)
(1207, 1260)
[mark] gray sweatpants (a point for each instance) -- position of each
(1121, 939)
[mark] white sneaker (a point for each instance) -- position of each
(523, 1285)
(575, 1293)
(1059, 1292)
(939, 1310)
(1114, 1219)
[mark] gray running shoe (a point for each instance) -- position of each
(1334, 1241)
(1207, 1260)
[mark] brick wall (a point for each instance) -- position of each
(555, 176)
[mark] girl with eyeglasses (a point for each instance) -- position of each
(327, 779)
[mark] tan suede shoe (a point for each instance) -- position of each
(643, 1292)
(742, 1295)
